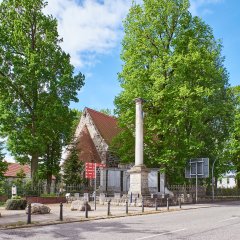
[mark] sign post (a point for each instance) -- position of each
(213, 179)
(91, 173)
(196, 181)
(95, 187)
(197, 168)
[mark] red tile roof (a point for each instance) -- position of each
(106, 125)
(14, 168)
(87, 149)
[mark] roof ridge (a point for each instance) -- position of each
(20, 164)
(113, 117)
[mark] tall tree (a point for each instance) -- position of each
(51, 160)
(173, 61)
(233, 147)
(73, 168)
(37, 81)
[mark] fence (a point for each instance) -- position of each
(227, 192)
(203, 191)
(42, 188)
(187, 189)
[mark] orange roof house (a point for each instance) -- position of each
(93, 136)
(14, 168)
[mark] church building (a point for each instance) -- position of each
(93, 137)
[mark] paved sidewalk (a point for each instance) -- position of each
(18, 218)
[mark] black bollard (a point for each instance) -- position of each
(180, 203)
(142, 205)
(95, 200)
(86, 209)
(127, 207)
(167, 204)
(29, 214)
(156, 204)
(108, 211)
(61, 211)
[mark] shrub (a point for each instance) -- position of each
(49, 195)
(16, 197)
(16, 204)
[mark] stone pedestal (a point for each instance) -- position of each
(139, 180)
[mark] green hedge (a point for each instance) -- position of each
(16, 204)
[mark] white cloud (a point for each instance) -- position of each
(88, 27)
(200, 6)
(93, 27)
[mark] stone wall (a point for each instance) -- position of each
(46, 200)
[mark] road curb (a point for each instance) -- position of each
(56, 222)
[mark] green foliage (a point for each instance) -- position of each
(21, 174)
(172, 61)
(19, 182)
(30, 189)
(3, 164)
(16, 204)
(50, 163)
(232, 153)
(73, 168)
(17, 197)
(2, 190)
(37, 83)
(48, 195)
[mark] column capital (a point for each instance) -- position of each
(139, 100)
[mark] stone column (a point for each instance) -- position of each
(139, 132)
(139, 173)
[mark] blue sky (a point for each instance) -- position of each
(92, 33)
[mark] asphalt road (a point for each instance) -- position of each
(221, 222)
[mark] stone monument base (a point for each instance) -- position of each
(139, 180)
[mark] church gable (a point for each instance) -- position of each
(86, 147)
(93, 136)
(106, 125)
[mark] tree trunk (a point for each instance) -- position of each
(49, 182)
(34, 168)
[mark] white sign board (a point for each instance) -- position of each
(197, 167)
(14, 190)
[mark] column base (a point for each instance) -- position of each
(139, 180)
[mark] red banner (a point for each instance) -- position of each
(90, 169)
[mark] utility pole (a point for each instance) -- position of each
(213, 182)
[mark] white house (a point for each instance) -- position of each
(228, 180)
